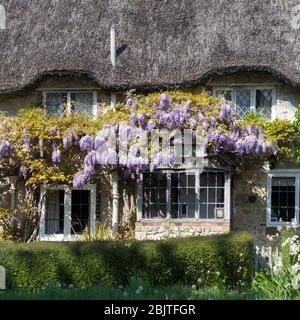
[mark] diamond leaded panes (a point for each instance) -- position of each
(82, 102)
(243, 102)
(56, 103)
(226, 93)
(264, 99)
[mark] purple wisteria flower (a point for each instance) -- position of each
(68, 141)
(56, 156)
(55, 131)
(5, 150)
(86, 143)
(91, 159)
(81, 179)
(165, 102)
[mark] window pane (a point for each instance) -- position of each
(203, 211)
(211, 211)
(211, 179)
(56, 103)
(154, 195)
(203, 179)
(203, 195)
(243, 102)
(220, 195)
(191, 180)
(54, 212)
(174, 180)
(283, 199)
(82, 102)
(174, 211)
(191, 211)
(184, 194)
(211, 194)
(264, 102)
(226, 93)
(80, 211)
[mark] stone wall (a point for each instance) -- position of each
(157, 230)
(249, 195)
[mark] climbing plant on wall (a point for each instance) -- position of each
(71, 150)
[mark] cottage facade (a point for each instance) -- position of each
(53, 53)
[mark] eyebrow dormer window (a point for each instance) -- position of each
(65, 102)
(248, 99)
(2, 17)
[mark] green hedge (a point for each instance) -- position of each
(217, 260)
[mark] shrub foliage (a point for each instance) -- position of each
(216, 260)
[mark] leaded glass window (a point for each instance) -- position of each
(62, 103)
(226, 93)
(249, 99)
(56, 103)
(82, 102)
(243, 102)
(264, 98)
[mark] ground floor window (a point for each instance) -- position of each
(66, 212)
(283, 198)
(185, 195)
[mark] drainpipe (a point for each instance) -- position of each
(113, 47)
(113, 59)
(113, 101)
(115, 204)
(115, 173)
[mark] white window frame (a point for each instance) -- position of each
(197, 172)
(253, 89)
(69, 101)
(288, 173)
(67, 236)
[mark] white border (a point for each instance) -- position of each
(292, 173)
(69, 92)
(67, 236)
(253, 89)
(227, 198)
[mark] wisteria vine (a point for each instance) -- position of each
(123, 145)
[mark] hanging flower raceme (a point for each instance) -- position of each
(86, 143)
(56, 156)
(5, 150)
(41, 145)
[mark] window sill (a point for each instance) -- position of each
(282, 224)
(155, 220)
(60, 238)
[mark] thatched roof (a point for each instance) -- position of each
(161, 42)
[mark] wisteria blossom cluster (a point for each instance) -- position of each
(129, 144)
(125, 145)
